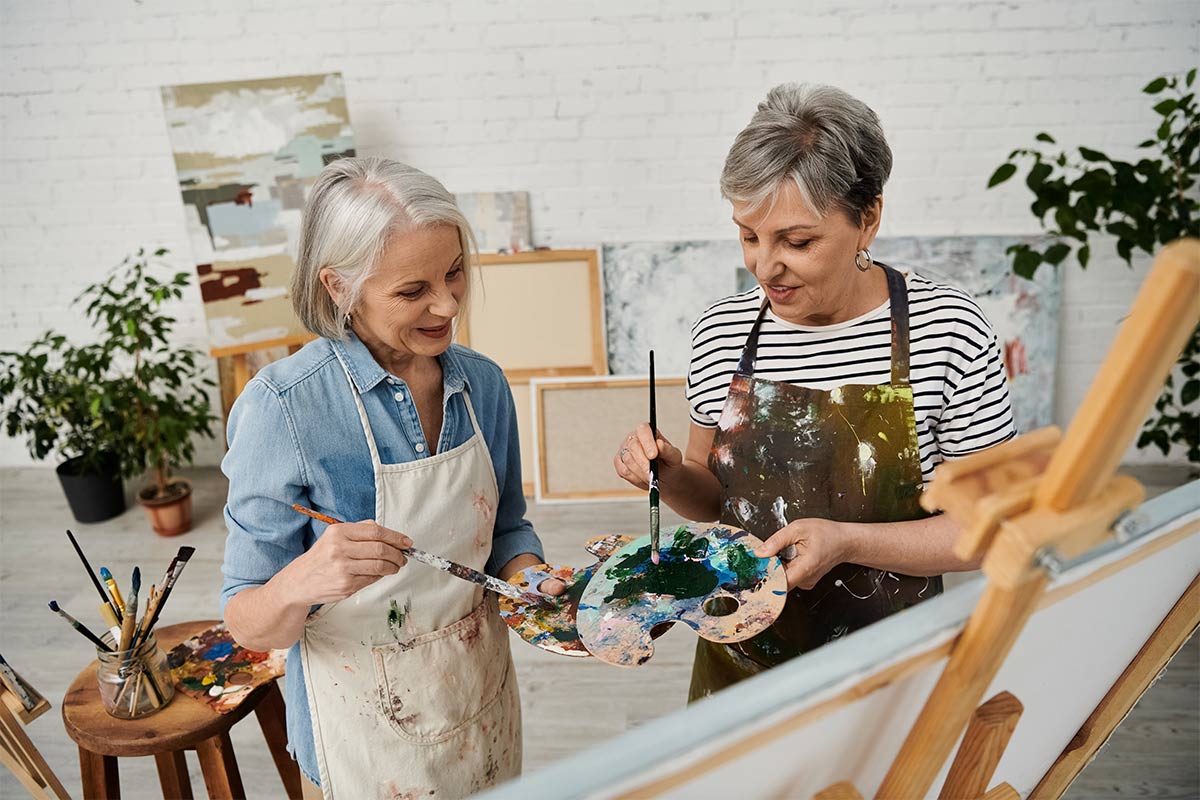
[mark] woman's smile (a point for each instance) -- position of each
(439, 332)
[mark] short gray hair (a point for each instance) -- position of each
(829, 143)
(354, 209)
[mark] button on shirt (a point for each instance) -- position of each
(295, 437)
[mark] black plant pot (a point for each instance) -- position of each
(94, 495)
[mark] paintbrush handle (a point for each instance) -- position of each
(444, 564)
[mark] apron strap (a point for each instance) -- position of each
(898, 295)
(362, 414)
(898, 301)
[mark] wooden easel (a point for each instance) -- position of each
(1027, 506)
(18, 753)
(239, 363)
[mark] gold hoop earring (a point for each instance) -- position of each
(862, 255)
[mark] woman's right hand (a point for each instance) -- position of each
(632, 460)
(347, 557)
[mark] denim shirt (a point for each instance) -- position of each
(295, 437)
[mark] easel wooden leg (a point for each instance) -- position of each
(1172, 633)
(99, 774)
(990, 633)
(839, 791)
(20, 755)
(983, 744)
(241, 373)
(173, 775)
(220, 768)
(271, 717)
(1002, 791)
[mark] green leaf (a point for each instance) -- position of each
(1191, 76)
(1166, 106)
(1164, 130)
(1154, 87)
(1092, 155)
(1189, 392)
(1002, 173)
(1026, 263)
(1148, 143)
(1056, 253)
(1037, 176)
(1045, 137)
(1083, 254)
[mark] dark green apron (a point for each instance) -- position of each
(850, 454)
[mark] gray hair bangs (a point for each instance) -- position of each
(356, 206)
(826, 141)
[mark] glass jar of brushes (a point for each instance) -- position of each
(134, 683)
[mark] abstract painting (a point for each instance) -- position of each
(215, 669)
(499, 220)
(707, 578)
(1024, 313)
(653, 293)
(247, 154)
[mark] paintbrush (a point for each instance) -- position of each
(445, 565)
(113, 590)
(79, 626)
(127, 627)
(173, 571)
(88, 568)
(14, 681)
(654, 513)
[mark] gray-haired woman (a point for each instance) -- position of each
(400, 681)
(823, 398)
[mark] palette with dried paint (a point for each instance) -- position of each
(552, 627)
(708, 578)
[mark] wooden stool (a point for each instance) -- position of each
(185, 724)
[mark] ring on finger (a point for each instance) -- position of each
(621, 453)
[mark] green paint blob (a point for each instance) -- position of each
(395, 619)
(682, 572)
(744, 565)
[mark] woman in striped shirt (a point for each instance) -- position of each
(823, 399)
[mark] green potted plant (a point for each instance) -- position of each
(167, 402)
(64, 400)
(1142, 206)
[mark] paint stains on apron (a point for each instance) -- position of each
(410, 681)
(849, 454)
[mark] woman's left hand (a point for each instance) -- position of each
(821, 545)
(552, 586)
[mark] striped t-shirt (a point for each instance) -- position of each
(960, 393)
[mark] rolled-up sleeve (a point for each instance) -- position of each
(513, 534)
(266, 475)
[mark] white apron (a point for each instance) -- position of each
(410, 680)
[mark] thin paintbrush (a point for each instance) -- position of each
(88, 568)
(79, 626)
(113, 590)
(127, 627)
(653, 471)
(445, 565)
(173, 571)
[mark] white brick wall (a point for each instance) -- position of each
(615, 115)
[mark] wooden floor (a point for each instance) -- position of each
(568, 705)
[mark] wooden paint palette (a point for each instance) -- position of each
(552, 627)
(708, 578)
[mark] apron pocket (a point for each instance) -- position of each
(432, 686)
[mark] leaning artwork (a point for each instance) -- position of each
(247, 154)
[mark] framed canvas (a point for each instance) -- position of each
(579, 424)
(538, 314)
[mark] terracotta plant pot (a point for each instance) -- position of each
(170, 515)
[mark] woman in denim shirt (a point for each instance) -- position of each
(399, 677)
